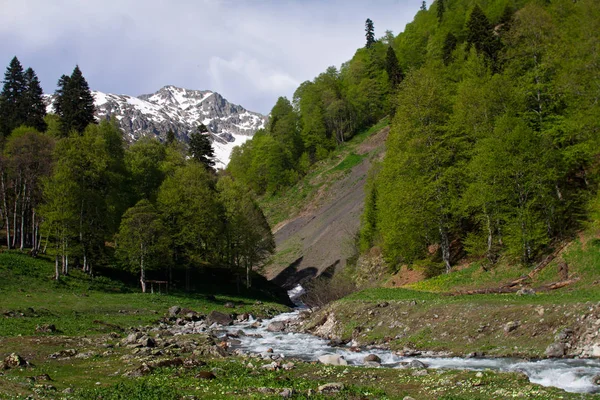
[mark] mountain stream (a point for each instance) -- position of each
(571, 375)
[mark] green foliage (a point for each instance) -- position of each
(74, 103)
(142, 240)
(192, 214)
(201, 147)
(370, 33)
(248, 234)
(491, 152)
(144, 161)
(21, 101)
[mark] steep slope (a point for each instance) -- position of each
(322, 212)
(180, 110)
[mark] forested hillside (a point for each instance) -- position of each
(74, 191)
(494, 144)
(494, 137)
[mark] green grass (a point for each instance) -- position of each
(351, 161)
(236, 381)
(79, 305)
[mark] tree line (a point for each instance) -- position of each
(493, 146)
(72, 188)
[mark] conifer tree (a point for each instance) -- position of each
(13, 110)
(36, 109)
(170, 137)
(424, 6)
(392, 68)
(480, 35)
(370, 33)
(201, 148)
(74, 103)
(449, 45)
(441, 8)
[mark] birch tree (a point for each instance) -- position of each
(142, 241)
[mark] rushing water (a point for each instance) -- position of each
(571, 375)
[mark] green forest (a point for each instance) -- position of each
(72, 188)
(494, 130)
(492, 152)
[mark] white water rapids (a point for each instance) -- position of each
(572, 375)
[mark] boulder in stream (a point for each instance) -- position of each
(216, 317)
(372, 358)
(276, 326)
(332, 359)
(555, 350)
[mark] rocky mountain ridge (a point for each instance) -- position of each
(180, 110)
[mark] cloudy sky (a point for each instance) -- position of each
(250, 51)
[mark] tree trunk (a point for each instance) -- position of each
(23, 207)
(247, 275)
(56, 268)
(6, 213)
(445, 246)
(142, 271)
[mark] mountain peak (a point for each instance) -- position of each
(180, 110)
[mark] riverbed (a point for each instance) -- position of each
(571, 375)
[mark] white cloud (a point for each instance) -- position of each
(252, 51)
(245, 68)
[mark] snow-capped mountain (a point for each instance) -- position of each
(180, 110)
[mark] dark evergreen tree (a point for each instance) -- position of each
(506, 19)
(441, 8)
(74, 103)
(370, 33)
(201, 147)
(170, 137)
(34, 100)
(13, 109)
(480, 34)
(424, 6)
(392, 68)
(449, 45)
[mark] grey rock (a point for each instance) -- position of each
(173, 311)
(63, 354)
(596, 380)
(416, 364)
(286, 393)
(564, 335)
(330, 388)
(45, 328)
(372, 357)
(525, 292)
(373, 364)
(332, 359)
(555, 350)
(420, 372)
(14, 360)
(132, 338)
(216, 317)
(511, 326)
(276, 326)
(288, 366)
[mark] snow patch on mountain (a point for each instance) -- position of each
(182, 111)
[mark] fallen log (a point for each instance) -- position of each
(545, 262)
(505, 289)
